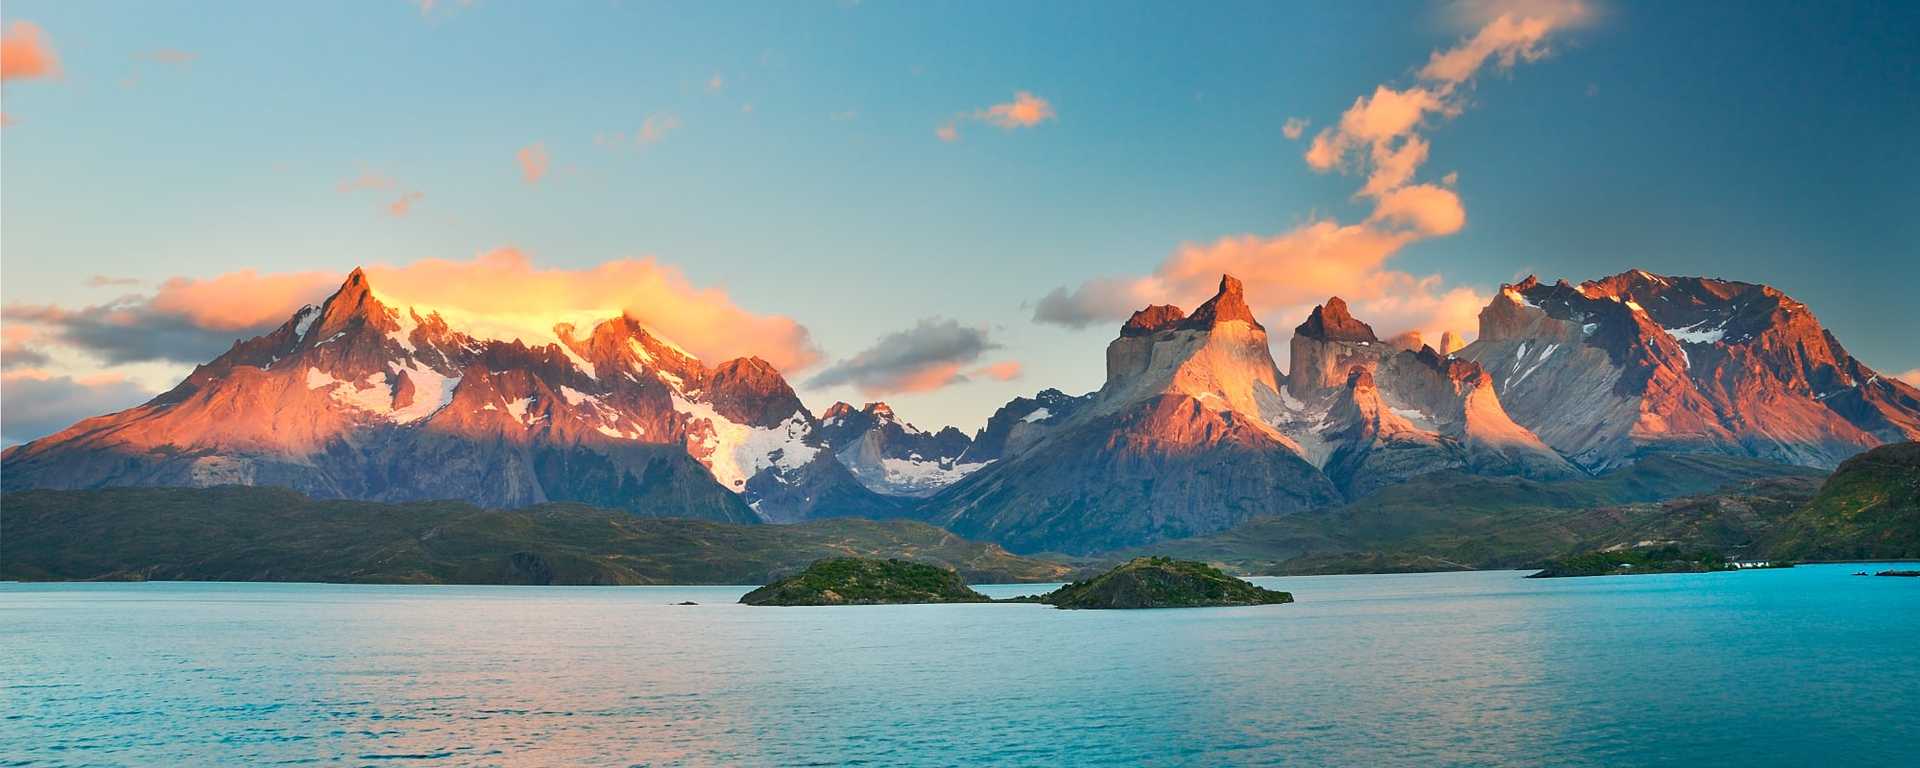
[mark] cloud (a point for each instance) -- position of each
(108, 281)
(171, 56)
(366, 180)
(1295, 127)
(192, 320)
(1910, 377)
(533, 162)
(26, 53)
(1377, 136)
(186, 320)
(35, 403)
(404, 204)
(506, 283)
(655, 128)
(1005, 370)
(14, 352)
(1025, 111)
(717, 82)
(928, 356)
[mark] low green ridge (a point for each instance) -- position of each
(1628, 562)
(1161, 582)
(237, 533)
(864, 581)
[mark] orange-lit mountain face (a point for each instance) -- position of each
(1638, 362)
(1194, 430)
(356, 398)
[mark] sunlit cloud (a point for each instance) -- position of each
(1005, 370)
(173, 56)
(716, 83)
(1378, 137)
(1025, 111)
(35, 403)
(404, 204)
(109, 281)
(1910, 377)
(533, 162)
(25, 53)
(929, 356)
(1294, 128)
(191, 320)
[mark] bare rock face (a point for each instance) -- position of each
(1326, 346)
(893, 457)
(1177, 442)
(359, 398)
(1637, 362)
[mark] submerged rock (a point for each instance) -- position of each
(1160, 582)
(862, 581)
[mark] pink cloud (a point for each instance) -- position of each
(1910, 377)
(26, 53)
(1378, 136)
(404, 205)
(1024, 111)
(1294, 128)
(533, 162)
(1005, 370)
(947, 132)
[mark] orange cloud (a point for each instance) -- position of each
(1024, 111)
(25, 53)
(1005, 370)
(533, 162)
(404, 205)
(366, 180)
(506, 283)
(243, 300)
(1294, 128)
(1910, 377)
(173, 56)
(655, 128)
(1379, 135)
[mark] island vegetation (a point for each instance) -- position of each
(866, 581)
(1161, 582)
(1637, 560)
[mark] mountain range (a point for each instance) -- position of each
(1195, 430)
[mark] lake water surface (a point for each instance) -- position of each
(1789, 667)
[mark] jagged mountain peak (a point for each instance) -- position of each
(1155, 318)
(1332, 322)
(1228, 304)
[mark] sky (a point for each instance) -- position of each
(942, 205)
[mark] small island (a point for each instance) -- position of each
(865, 581)
(1161, 582)
(1907, 574)
(1627, 562)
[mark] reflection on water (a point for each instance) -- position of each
(1770, 667)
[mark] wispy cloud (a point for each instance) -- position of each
(533, 162)
(1025, 111)
(930, 355)
(1295, 127)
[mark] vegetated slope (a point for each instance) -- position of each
(1868, 509)
(234, 533)
(1457, 521)
(866, 581)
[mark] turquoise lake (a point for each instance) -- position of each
(1805, 666)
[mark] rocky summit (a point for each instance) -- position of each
(1195, 429)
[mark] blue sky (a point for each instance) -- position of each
(1768, 142)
